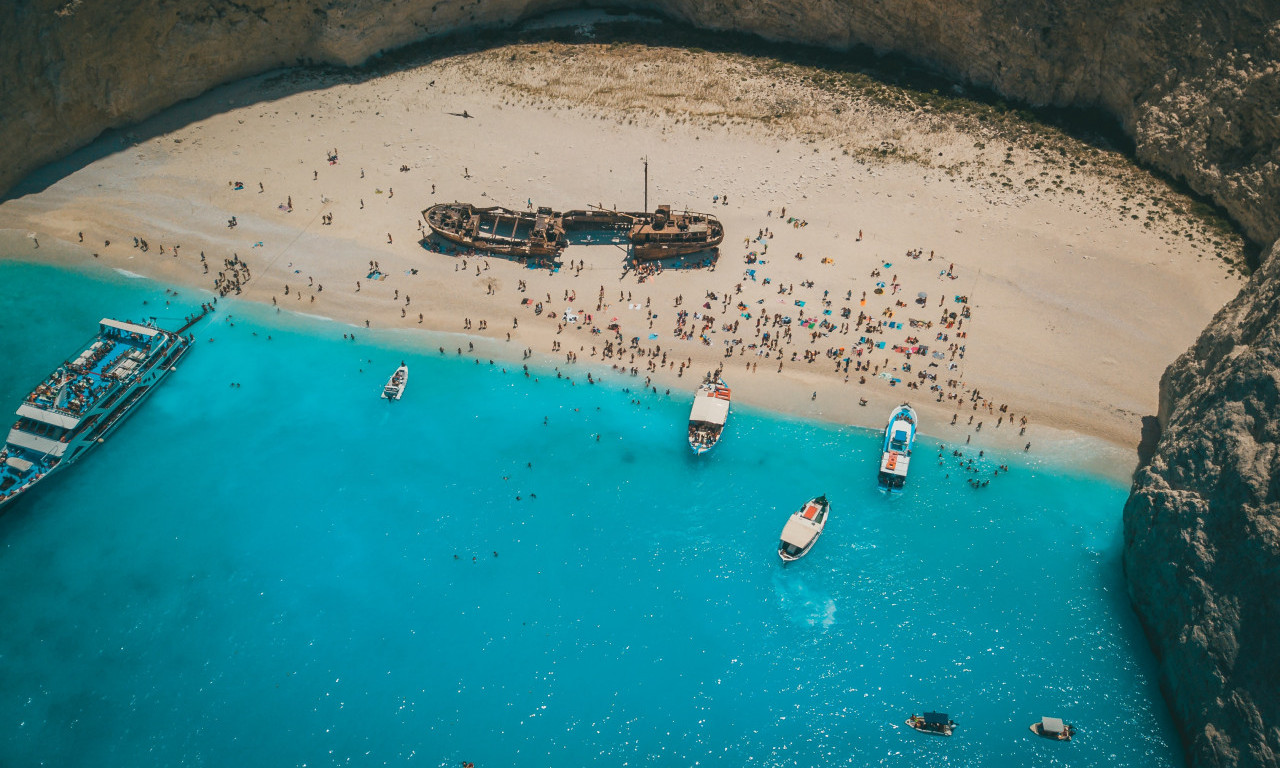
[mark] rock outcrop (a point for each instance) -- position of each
(1202, 533)
(1196, 83)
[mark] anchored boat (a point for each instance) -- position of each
(899, 436)
(395, 384)
(936, 723)
(84, 400)
(663, 234)
(1053, 728)
(803, 529)
(707, 416)
(498, 230)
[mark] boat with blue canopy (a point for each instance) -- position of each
(899, 436)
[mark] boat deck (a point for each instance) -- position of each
(83, 380)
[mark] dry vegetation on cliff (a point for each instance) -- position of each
(991, 147)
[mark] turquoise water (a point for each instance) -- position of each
(295, 572)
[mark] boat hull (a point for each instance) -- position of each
(899, 440)
(810, 521)
(444, 220)
(1063, 736)
(650, 252)
(708, 416)
(945, 731)
(393, 389)
(109, 421)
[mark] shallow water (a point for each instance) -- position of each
(296, 572)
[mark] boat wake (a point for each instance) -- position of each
(803, 604)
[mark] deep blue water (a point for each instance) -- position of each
(295, 572)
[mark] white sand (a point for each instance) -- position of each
(1076, 310)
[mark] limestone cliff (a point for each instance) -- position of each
(1196, 83)
(1202, 533)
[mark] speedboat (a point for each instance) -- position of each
(803, 529)
(707, 416)
(936, 723)
(899, 436)
(395, 384)
(1053, 728)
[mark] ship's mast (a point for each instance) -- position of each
(646, 183)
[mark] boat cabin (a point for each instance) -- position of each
(898, 441)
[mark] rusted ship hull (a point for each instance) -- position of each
(498, 230)
(664, 234)
(655, 251)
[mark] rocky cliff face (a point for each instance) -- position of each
(1196, 83)
(1202, 533)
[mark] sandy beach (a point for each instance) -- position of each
(1075, 277)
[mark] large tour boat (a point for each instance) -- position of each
(663, 234)
(499, 230)
(84, 400)
(803, 529)
(899, 436)
(707, 416)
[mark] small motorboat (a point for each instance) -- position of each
(395, 384)
(803, 529)
(707, 416)
(899, 436)
(1053, 728)
(936, 723)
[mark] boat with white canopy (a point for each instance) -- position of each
(1053, 728)
(707, 416)
(803, 529)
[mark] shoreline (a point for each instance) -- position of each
(1058, 289)
(1078, 451)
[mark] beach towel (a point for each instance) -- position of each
(799, 303)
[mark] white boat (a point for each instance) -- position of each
(1053, 728)
(82, 402)
(899, 436)
(395, 384)
(707, 416)
(803, 529)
